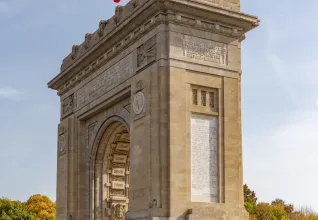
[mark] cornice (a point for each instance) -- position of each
(93, 54)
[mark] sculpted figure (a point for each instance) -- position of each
(118, 212)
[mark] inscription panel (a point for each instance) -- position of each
(204, 161)
(118, 172)
(106, 81)
(118, 185)
(120, 158)
(206, 50)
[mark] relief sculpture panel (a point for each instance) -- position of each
(204, 161)
(106, 81)
(67, 105)
(206, 50)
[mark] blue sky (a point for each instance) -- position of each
(279, 92)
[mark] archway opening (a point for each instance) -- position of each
(111, 174)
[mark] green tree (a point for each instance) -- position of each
(14, 210)
(289, 208)
(42, 206)
(249, 195)
(278, 212)
(263, 211)
(249, 201)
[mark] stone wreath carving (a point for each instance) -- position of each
(147, 52)
(118, 212)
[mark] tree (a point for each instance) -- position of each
(289, 208)
(278, 212)
(42, 206)
(14, 210)
(249, 195)
(263, 211)
(249, 201)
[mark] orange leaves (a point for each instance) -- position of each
(42, 206)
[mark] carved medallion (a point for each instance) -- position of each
(138, 102)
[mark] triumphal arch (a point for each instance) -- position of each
(151, 114)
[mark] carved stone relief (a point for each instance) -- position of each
(206, 50)
(208, 26)
(138, 102)
(62, 141)
(103, 83)
(117, 174)
(68, 105)
(147, 52)
(118, 212)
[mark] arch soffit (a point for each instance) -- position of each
(110, 124)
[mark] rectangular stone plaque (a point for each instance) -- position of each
(118, 185)
(120, 158)
(118, 172)
(206, 50)
(122, 146)
(204, 160)
(106, 81)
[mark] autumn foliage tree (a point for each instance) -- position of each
(249, 200)
(276, 210)
(42, 206)
(14, 210)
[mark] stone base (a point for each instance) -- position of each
(198, 213)
(217, 213)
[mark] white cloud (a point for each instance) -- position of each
(10, 93)
(284, 163)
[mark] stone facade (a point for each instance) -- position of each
(139, 109)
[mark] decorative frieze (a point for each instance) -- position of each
(206, 50)
(105, 81)
(137, 33)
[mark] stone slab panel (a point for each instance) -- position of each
(204, 168)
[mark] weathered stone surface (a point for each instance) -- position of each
(150, 122)
(112, 77)
(204, 161)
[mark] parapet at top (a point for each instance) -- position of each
(121, 14)
(132, 20)
(228, 4)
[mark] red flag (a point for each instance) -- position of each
(116, 1)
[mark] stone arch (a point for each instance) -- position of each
(109, 170)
